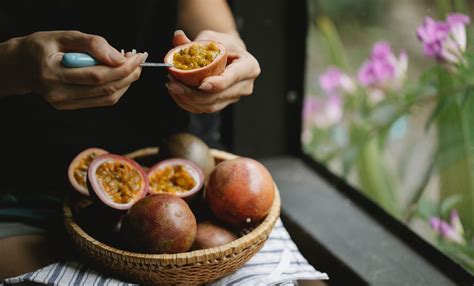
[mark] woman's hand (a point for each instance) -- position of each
(75, 88)
(216, 92)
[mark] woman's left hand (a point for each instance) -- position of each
(216, 92)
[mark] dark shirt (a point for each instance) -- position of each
(37, 142)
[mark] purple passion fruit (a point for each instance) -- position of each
(77, 171)
(178, 177)
(240, 192)
(116, 181)
(211, 235)
(160, 223)
(194, 61)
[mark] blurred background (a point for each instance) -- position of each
(406, 143)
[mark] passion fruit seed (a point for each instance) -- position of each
(195, 56)
(120, 181)
(80, 172)
(172, 180)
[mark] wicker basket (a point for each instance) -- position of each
(190, 268)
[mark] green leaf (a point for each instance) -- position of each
(456, 157)
(333, 43)
(448, 204)
(460, 6)
(444, 7)
(374, 177)
(427, 209)
(440, 106)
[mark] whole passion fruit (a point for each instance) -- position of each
(194, 61)
(77, 171)
(116, 181)
(101, 222)
(211, 235)
(160, 223)
(240, 192)
(189, 147)
(178, 177)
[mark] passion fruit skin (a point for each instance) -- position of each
(211, 235)
(159, 223)
(189, 147)
(194, 77)
(101, 222)
(240, 192)
(74, 164)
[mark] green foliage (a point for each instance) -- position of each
(332, 42)
(449, 89)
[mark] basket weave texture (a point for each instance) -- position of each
(190, 268)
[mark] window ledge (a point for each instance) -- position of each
(334, 232)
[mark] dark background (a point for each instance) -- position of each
(268, 122)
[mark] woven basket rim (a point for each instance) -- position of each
(260, 232)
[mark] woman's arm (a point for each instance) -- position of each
(14, 78)
(195, 16)
(213, 20)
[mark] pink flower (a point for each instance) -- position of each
(452, 231)
(383, 70)
(310, 105)
(445, 41)
(334, 81)
(323, 112)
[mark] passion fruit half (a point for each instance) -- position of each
(194, 61)
(176, 176)
(77, 171)
(116, 181)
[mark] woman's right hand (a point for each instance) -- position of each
(74, 88)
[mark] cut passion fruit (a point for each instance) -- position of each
(117, 181)
(77, 171)
(194, 61)
(178, 177)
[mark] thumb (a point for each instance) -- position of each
(180, 38)
(94, 45)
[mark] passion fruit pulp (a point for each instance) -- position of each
(77, 171)
(194, 61)
(189, 147)
(116, 181)
(178, 177)
(240, 192)
(159, 223)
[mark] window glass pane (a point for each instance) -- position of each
(389, 106)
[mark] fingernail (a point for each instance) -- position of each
(178, 32)
(206, 86)
(116, 56)
(174, 88)
(144, 57)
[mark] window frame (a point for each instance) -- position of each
(282, 55)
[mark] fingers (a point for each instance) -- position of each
(101, 74)
(180, 38)
(67, 93)
(94, 45)
(242, 68)
(197, 101)
(92, 102)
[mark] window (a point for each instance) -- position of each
(389, 106)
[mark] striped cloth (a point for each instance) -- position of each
(278, 263)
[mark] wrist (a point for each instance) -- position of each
(15, 77)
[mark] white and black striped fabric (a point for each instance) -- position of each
(278, 263)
